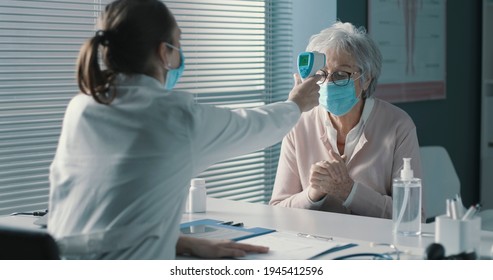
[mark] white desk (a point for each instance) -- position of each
(340, 226)
(320, 223)
(21, 221)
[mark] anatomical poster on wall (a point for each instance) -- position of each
(411, 37)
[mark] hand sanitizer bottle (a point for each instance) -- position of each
(406, 195)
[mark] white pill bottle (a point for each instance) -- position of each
(197, 196)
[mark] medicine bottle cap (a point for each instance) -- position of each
(406, 172)
(197, 182)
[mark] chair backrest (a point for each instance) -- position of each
(23, 244)
(440, 181)
(487, 220)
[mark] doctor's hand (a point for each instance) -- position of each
(206, 248)
(330, 178)
(305, 94)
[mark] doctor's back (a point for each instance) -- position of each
(130, 144)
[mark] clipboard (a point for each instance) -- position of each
(283, 245)
(214, 229)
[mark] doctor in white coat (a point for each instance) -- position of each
(130, 144)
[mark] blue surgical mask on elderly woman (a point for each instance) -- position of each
(338, 100)
(173, 75)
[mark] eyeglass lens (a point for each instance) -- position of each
(340, 78)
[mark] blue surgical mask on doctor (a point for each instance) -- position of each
(338, 96)
(173, 75)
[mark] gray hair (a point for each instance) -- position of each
(356, 42)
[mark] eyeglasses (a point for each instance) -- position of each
(171, 46)
(339, 78)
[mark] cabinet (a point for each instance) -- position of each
(487, 107)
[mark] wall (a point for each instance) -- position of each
(454, 122)
(309, 17)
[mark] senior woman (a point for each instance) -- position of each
(342, 155)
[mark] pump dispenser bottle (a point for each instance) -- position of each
(406, 208)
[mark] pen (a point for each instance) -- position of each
(35, 213)
(227, 223)
(306, 235)
(470, 212)
(448, 205)
(460, 206)
(237, 225)
(453, 203)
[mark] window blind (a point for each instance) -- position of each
(39, 44)
(238, 54)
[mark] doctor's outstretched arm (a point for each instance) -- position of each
(222, 133)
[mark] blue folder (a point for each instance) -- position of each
(214, 229)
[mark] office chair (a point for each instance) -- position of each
(486, 219)
(440, 181)
(23, 244)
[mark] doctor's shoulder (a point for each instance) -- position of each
(174, 103)
(175, 98)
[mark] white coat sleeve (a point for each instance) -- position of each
(220, 133)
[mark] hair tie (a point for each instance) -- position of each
(103, 37)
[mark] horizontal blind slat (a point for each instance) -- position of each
(238, 56)
(39, 44)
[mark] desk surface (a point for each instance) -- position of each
(343, 226)
(21, 221)
(338, 226)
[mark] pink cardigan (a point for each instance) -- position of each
(388, 135)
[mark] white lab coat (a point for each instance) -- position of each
(121, 172)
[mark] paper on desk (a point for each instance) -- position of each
(214, 229)
(290, 246)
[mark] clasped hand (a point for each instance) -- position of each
(330, 177)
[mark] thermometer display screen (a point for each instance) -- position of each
(303, 60)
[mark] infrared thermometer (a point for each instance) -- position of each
(309, 63)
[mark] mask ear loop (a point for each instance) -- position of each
(363, 92)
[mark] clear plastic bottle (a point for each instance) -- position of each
(197, 196)
(406, 208)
